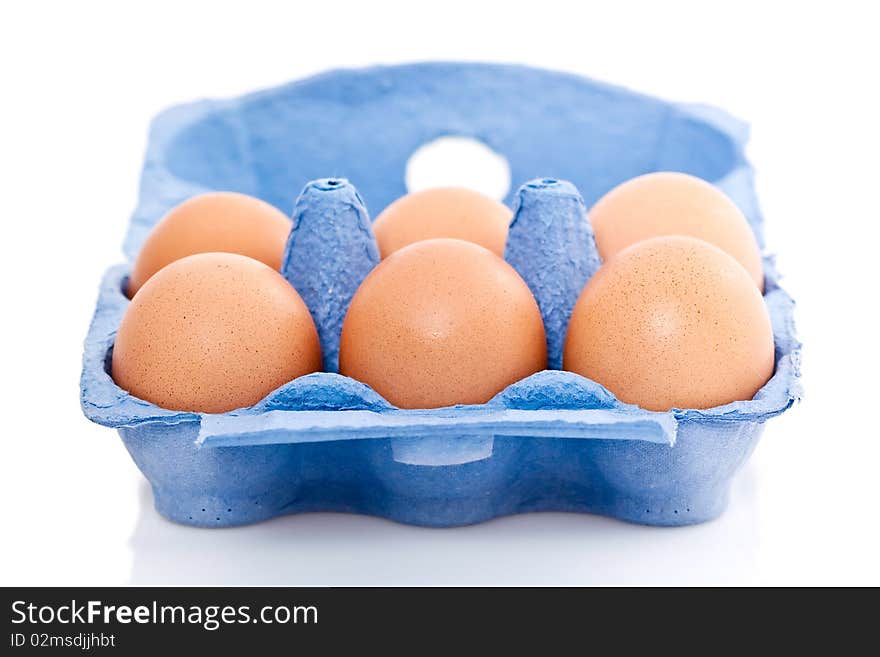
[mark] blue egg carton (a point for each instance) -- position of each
(554, 441)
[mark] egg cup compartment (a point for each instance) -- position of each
(553, 441)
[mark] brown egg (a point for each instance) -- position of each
(670, 203)
(213, 332)
(672, 322)
(442, 322)
(214, 222)
(443, 212)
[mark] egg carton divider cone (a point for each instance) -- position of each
(324, 442)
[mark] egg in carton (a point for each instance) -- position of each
(324, 442)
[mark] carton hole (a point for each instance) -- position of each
(455, 161)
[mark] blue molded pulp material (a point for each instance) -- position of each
(553, 441)
(552, 246)
(331, 226)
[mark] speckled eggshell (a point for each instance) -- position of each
(213, 332)
(453, 212)
(215, 222)
(669, 203)
(442, 322)
(672, 322)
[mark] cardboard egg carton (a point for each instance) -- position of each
(553, 441)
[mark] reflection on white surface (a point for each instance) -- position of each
(537, 548)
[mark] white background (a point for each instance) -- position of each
(80, 82)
